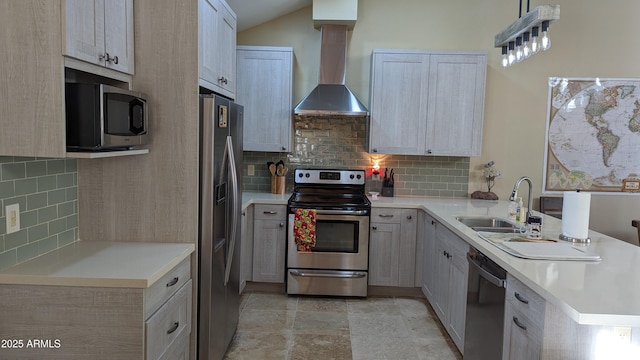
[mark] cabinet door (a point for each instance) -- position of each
(518, 343)
(407, 251)
(429, 258)
(442, 275)
(265, 80)
(216, 47)
(384, 247)
(84, 30)
(227, 50)
(118, 34)
(457, 301)
(269, 243)
(246, 247)
(208, 15)
(399, 88)
(456, 104)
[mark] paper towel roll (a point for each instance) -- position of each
(575, 214)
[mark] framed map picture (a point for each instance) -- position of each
(593, 135)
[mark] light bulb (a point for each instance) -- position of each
(526, 48)
(511, 57)
(535, 42)
(519, 55)
(545, 42)
(505, 58)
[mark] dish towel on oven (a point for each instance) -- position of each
(304, 229)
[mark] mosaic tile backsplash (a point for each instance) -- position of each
(47, 193)
(340, 142)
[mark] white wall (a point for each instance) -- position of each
(593, 38)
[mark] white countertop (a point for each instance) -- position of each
(594, 293)
(100, 264)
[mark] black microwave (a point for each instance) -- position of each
(102, 117)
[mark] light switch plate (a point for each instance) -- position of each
(12, 214)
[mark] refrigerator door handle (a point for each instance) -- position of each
(234, 206)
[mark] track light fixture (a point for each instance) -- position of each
(527, 35)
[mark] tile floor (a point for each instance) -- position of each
(277, 326)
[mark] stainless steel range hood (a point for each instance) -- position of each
(331, 96)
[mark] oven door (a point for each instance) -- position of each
(342, 242)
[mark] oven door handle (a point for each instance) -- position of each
(339, 212)
(329, 274)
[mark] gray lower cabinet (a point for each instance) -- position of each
(523, 322)
(101, 322)
(269, 243)
(246, 247)
(392, 246)
(445, 271)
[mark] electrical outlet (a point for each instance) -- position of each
(251, 170)
(12, 213)
(375, 177)
(623, 334)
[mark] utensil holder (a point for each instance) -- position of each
(387, 191)
(278, 184)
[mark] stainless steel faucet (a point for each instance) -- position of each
(514, 194)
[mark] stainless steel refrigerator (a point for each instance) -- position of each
(219, 235)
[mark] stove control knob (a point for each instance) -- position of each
(351, 176)
(359, 176)
(307, 175)
(300, 175)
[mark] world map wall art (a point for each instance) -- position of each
(593, 135)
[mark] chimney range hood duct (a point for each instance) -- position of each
(331, 96)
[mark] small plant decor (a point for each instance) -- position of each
(490, 175)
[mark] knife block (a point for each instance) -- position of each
(278, 184)
(387, 191)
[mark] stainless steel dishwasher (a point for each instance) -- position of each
(485, 308)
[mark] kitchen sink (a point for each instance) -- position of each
(492, 224)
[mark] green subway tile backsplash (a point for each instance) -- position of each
(340, 142)
(46, 191)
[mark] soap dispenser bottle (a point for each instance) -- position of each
(520, 216)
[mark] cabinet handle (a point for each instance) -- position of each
(386, 215)
(223, 80)
(374, 227)
(446, 254)
(281, 224)
(174, 327)
(408, 217)
(433, 222)
(244, 213)
(520, 298)
(104, 57)
(271, 212)
(173, 281)
(375, 150)
(429, 151)
(115, 59)
(519, 324)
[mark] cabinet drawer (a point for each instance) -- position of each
(169, 323)
(270, 212)
(393, 215)
(166, 286)
(524, 300)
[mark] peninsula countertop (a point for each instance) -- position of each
(100, 264)
(592, 293)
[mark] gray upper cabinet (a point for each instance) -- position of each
(217, 47)
(427, 102)
(264, 88)
(100, 32)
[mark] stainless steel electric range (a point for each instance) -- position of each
(338, 262)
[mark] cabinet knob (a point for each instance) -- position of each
(104, 56)
(428, 151)
(281, 224)
(433, 222)
(223, 80)
(115, 59)
(375, 150)
(374, 227)
(409, 217)
(284, 148)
